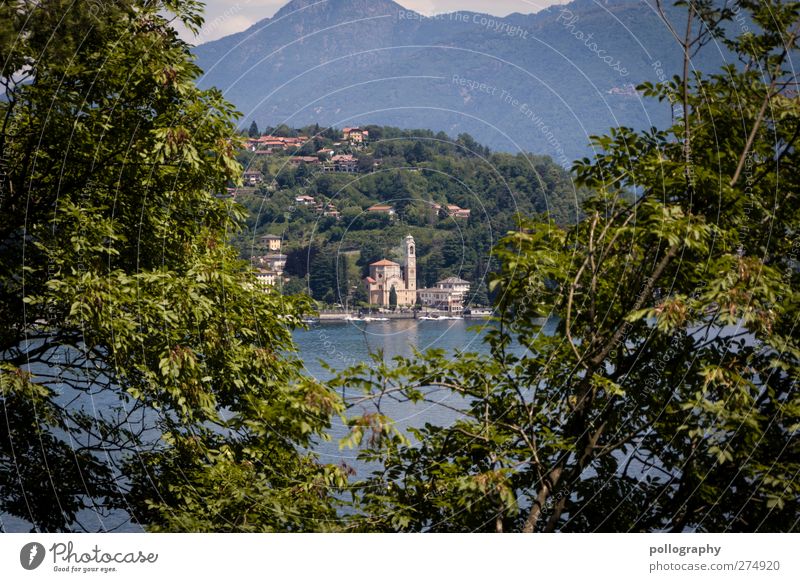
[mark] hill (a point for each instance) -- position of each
(339, 204)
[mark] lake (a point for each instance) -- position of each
(341, 345)
(344, 344)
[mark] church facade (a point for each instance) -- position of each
(386, 275)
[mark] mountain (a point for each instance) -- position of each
(540, 82)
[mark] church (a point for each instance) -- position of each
(387, 275)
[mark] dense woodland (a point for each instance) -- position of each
(416, 170)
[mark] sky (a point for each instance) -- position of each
(224, 17)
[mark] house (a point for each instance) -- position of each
(274, 262)
(448, 295)
(330, 210)
(267, 278)
(454, 284)
(355, 135)
(297, 160)
(381, 209)
(272, 242)
(452, 210)
(345, 163)
(305, 200)
(342, 163)
(271, 143)
(298, 141)
(326, 152)
(253, 177)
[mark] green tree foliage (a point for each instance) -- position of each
(661, 393)
(322, 278)
(371, 251)
(330, 277)
(140, 368)
(253, 131)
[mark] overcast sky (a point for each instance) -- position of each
(224, 17)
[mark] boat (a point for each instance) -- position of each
(366, 319)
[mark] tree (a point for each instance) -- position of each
(284, 131)
(453, 252)
(393, 299)
(330, 277)
(366, 164)
(346, 279)
(295, 286)
(431, 268)
(661, 393)
(253, 131)
(371, 251)
(309, 148)
(118, 287)
(323, 277)
(417, 153)
(360, 296)
(303, 172)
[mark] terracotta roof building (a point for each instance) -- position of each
(385, 275)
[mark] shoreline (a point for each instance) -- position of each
(341, 316)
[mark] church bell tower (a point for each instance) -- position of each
(411, 264)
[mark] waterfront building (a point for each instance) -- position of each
(386, 275)
(448, 295)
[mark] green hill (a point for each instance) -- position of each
(422, 177)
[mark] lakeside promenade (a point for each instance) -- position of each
(334, 316)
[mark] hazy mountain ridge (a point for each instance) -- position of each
(525, 81)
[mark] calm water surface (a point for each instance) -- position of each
(344, 344)
(340, 345)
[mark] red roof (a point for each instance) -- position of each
(370, 280)
(384, 263)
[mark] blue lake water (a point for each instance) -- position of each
(345, 344)
(341, 345)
